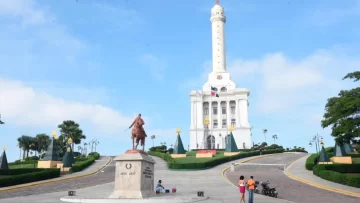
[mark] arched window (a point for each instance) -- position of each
(223, 89)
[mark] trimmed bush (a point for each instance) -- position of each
(339, 173)
(172, 164)
(311, 162)
(94, 154)
(20, 176)
(82, 164)
(18, 162)
(329, 149)
(354, 155)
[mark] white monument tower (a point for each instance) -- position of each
(220, 103)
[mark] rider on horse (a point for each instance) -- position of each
(136, 120)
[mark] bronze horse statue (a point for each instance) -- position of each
(138, 132)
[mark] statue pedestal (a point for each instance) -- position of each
(134, 175)
(178, 156)
(48, 164)
(230, 153)
(341, 159)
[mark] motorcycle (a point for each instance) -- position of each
(267, 191)
(256, 187)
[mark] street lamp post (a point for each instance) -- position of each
(317, 140)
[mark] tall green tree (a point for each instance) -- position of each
(71, 129)
(342, 113)
(24, 142)
(42, 142)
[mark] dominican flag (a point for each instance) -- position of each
(214, 91)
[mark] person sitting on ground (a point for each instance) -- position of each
(159, 187)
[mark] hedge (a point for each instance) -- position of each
(82, 164)
(339, 173)
(354, 155)
(311, 162)
(94, 154)
(26, 175)
(172, 164)
(23, 162)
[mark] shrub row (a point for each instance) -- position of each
(172, 164)
(94, 154)
(79, 166)
(311, 162)
(354, 155)
(18, 162)
(339, 173)
(24, 175)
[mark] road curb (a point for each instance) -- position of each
(54, 181)
(294, 177)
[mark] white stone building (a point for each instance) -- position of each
(231, 107)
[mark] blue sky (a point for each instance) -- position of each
(100, 62)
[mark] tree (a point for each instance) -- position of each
(275, 137)
(70, 129)
(265, 131)
(153, 138)
(42, 142)
(342, 113)
(25, 142)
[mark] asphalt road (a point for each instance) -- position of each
(100, 178)
(287, 188)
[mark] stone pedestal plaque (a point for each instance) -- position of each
(134, 175)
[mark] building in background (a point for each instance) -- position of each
(220, 103)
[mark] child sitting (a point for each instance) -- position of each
(159, 187)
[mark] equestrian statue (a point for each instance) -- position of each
(138, 132)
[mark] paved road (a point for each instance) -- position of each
(100, 178)
(288, 189)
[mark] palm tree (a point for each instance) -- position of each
(275, 137)
(24, 142)
(265, 131)
(96, 143)
(70, 129)
(153, 138)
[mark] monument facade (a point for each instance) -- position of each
(220, 103)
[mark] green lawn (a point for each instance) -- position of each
(356, 160)
(23, 166)
(191, 157)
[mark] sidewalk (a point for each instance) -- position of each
(187, 183)
(298, 172)
(92, 169)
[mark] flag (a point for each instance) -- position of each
(214, 91)
(198, 93)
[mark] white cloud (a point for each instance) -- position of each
(155, 65)
(25, 9)
(283, 84)
(24, 106)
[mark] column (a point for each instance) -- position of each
(246, 115)
(201, 117)
(192, 115)
(210, 115)
(228, 113)
(238, 113)
(219, 115)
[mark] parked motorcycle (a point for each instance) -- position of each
(267, 191)
(256, 187)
